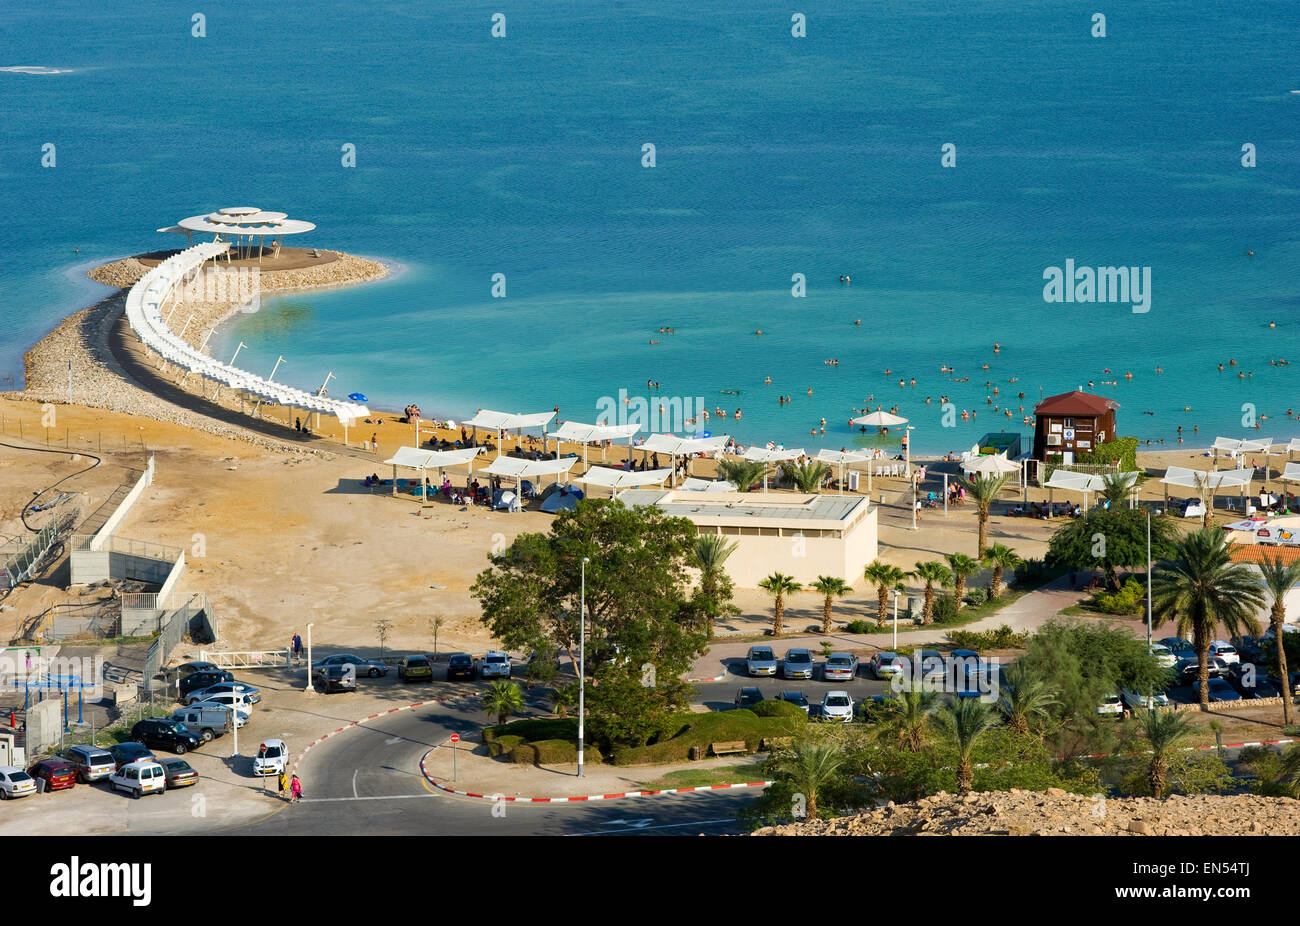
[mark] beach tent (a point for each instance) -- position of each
(844, 458)
(586, 434)
(424, 460)
(692, 484)
(615, 479)
(676, 447)
(561, 497)
(1197, 479)
(505, 421)
(520, 469)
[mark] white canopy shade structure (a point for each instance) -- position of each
(1237, 446)
(506, 421)
(1210, 481)
(586, 434)
(993, 464)
(1293, 446)
(615, 479)
(692, 484)
(844, 458)
(763, 455)
(1291, 473)
(676, 446)
(235, 222)
(1073, 482)
(425, 460)
(519, 469)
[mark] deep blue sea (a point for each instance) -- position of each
(774, 156)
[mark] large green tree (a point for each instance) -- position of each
(961, 722)
(714, 595)
(1202, 589)
(1110, 539)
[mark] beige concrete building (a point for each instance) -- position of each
(804, 536)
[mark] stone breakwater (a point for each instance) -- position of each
(99, 381)
(1055, 812)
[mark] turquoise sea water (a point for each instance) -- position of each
(775, 156)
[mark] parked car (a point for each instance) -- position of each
(14, 782)
(1180, 647)
(241, 715)
(1137, 701)
(796, 698)
(1225, 651)
(251, 694)
(363, 666)
(748, 697)
(495, 665)
(177, 773)
(126, 753)
(226, 699)
(1164, 655)
(885, 665)
(415, 668)
(932, 663)
(837, 705)
(200, 680)
(968, 670)
(798, 664)
(271, 758)
(1189, 669)
(1293, 681)
(189, 668)
(165, 734)
(761, 660)
(206, 721)
(58, 774)
(1111, 706)
(144, 776)
(334, 678)
(460, 665)
(1249, 648)
(1219, 690)
(840, 667)
(1252, 683)
(90, 762)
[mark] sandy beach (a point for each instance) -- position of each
(281, 530)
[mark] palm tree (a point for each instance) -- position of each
(932, 571)
(1280, 579)
(710, 554)
(809, 767)
(503, 698)
(563, 698)
(962, 722)
(778, 585)
(807, 477)
(963, 567)
(1202, 588)
(908, 727)
(1117, 488)
(1023, 698)
(983, 489)
(1000, 557)
(1164, 731)
(743, 474)
(1278, 775)
(832, 587)
(884, 577)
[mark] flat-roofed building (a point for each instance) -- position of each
(804, 536)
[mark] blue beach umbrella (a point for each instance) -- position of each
(357, 397)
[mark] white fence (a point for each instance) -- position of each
(250, 659)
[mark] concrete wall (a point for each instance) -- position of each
(117, 517)
(805, 558)
(43, 723)
(89, 566)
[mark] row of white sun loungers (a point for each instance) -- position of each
(144, 306)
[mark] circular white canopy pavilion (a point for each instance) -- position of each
(236, 222)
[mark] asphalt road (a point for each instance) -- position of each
(367, 781)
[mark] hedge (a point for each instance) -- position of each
(1122, 450)
(714, 727)
(499, 745)
(553, 752)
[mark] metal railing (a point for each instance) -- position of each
(127, 547)
(23, 565)
(249, 659)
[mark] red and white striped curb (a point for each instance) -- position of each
(347, 726)
(585, 797)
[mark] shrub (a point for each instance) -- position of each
(553, 752)
(979, 640)
(976, 596)
(500, 745)
(860, 626)
(703, 729)
(1128, 600)
(945, 609)
(1122, 450)
(777, 709)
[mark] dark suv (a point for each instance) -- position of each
(196, 681)
(166, 734)
(335, 678)
(126, 753)
(460, 665)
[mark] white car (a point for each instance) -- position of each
(139, 778)
(229, 699)
(495, 665)
(252, 694)
(1137, 701)
(14, 782)
(837, 705)
(1111, 706)
(241, 713)
(271, 757)
(1164, 655)
(1225, 651)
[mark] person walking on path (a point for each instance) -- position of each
(283, 782)
(297, 648)
(295, 788)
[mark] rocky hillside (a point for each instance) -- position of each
(1059, 813)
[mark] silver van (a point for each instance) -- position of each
(205, 720)
(90, 762)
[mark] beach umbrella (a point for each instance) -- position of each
(884, 420)
(358, 397)
(992, 465)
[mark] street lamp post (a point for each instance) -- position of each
(895, 619)
(308, 689)
(907, 466)
(582, 660)
(1148, 579)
